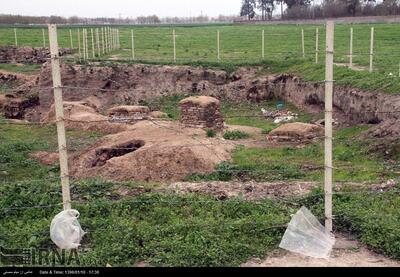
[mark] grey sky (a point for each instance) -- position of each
(113, 8)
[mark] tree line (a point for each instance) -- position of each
(309, 9)
(152, 19)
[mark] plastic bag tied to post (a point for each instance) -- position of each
(65, 230)
(306, 236)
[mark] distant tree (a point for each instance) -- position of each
(266, 7)
(292, 3)
(248, 8)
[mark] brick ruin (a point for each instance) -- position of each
(201, 112)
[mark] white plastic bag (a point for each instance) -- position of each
(306, 236)
(65, 230)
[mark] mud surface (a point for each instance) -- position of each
(346, 253)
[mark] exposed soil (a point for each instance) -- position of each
(247, 191)
(151, 150)
(346, 253)
(46, 158)
(27, 54)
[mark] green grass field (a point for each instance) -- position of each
(239, 43)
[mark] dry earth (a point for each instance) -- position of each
(347, 252)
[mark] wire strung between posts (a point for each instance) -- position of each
(292, 200)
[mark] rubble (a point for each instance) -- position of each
(279, 116)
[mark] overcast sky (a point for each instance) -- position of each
(115, 8)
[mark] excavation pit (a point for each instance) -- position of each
(105, 154)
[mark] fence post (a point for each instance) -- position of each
(62, 142)
(103, 40)
(86, 44)
(302, 43)
(218, 46)
(44, 38)
(15, 37)
(79, 44)
(70, 38)
(316, 45)
(83, 44)
(263, 44)
(371, 53)
(351, 49)
(98, 42)
(133, 45)
(174, 42)
(106, 40)
(328, 123)
(93, 48)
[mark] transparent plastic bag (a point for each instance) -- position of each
(306, 236)
(65, 230)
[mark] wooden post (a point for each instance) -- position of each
(86, 44)
(302, 43)
(83, 44)
(93, 48)
(328, 124)
(98, 42)
(106, 39)
(62, 141)
(263, 44)
(118, 40)
(15, 37)
(218, 46)
(109, 39)
(133, 45)
(103, 40)
(44, 38)
(351, 49)
(79, 44)
(371, 52)
(174, 41)
(316, 45)
(70, 39)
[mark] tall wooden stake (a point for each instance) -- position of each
(371, 52)
(98, 42)
(316, 45)
(103, 40)
(93, 48)
(302, 43)
(351, 49)
(44, 38)
(328, 124)
(263, 44)
(174, 42)
(79, 44)
(15, 37)
(70, 39)
(218, 46)
(62, 141)
(133, 45)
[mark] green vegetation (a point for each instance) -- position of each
(21, 68)
(352, 161)
(17, 141)
(241, 45)
(236, 135)
(211, 133)
(372, 217)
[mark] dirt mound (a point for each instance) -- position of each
(296, 132)
(158, 114)
(83, 116)
(46, 158)
(384, 138)
(151, 151)
(2, 100)
(27, 54)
